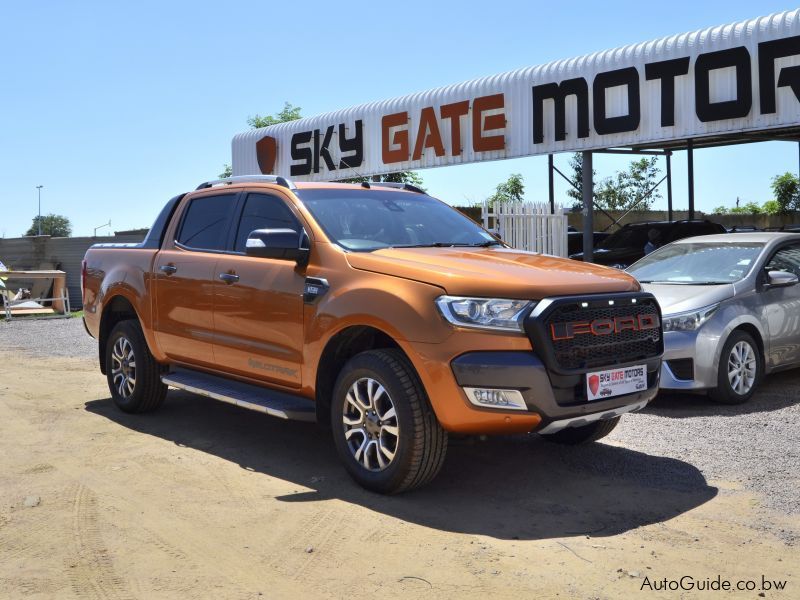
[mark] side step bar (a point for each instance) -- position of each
(272, 402)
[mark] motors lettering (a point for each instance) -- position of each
(667, 72)
(571, 329)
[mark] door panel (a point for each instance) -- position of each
(184, 327)
(258, 317)
(782, 308)
(258, 320)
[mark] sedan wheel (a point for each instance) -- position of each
(742, 368)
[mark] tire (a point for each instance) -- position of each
(143, 392)
(584, 434)
(383, 451)
(731, 390)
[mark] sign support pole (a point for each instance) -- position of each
(690, 161)
(669, 186)
(550, 183)
(588, 208)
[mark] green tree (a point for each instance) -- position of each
(629, 188)
(52, 225)
(720, 210)
(511, 190)
(751, 208)
(291, 112)
(786, 189)
(771, 207)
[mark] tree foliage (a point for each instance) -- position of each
(786, 189)
(52, 225)
(576, 164)
(288, 113)
(511, 190)
(629, 188)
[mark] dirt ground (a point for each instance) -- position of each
(205, 500)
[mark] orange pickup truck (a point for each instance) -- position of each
(373, 309)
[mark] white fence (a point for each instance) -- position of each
(528, 226)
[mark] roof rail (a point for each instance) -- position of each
(399, 186)
(287, 183)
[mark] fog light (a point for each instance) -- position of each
(496, 398)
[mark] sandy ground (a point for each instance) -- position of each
(205, 500)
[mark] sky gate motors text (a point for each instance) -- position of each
(481, 124)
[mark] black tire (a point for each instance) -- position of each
(420, 443)
(584, 434)
(724, 393)
(147, 391)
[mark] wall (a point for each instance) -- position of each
(43, 252)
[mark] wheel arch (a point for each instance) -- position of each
(119, 308)
(340, 348)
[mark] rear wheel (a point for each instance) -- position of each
(583, 434)
(134, 376)
(384, 428)
(740, 370)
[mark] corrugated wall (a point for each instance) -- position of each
(65, 254)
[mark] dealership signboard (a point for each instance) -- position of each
(737, 78)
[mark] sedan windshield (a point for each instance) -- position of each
(695, 263)
(371, 219)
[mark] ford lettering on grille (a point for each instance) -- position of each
(570, 329)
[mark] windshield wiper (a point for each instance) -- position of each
(485, 244)
(684, 282)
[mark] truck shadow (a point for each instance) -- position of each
(516, 487)
(777, 391)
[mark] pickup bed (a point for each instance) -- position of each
(373, 309)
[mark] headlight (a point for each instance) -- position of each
(689, 321)
(484, 313)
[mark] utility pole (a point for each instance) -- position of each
(39, 220)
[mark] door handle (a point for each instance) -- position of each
(168, 269)
(229, 278)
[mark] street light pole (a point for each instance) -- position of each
(39, 220)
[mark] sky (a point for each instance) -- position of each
(116, 107)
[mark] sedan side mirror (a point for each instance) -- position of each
(776, 279)
(285, 244)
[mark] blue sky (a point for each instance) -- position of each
(115, 107)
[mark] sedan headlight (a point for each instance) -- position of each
(689, 321)
(484, 313)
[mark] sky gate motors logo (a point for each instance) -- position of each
(480, 124)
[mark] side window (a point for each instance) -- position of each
(205, 220)
(786, 259)
(262, 211)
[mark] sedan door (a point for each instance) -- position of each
(782, 309)
(258, 302)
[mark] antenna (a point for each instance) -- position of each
(101, 226)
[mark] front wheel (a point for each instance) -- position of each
(584, 434)
(384, 428)
(134, 376)
(740, 370)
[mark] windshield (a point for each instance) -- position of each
(628, 237)
(372, 219)
(697, 263)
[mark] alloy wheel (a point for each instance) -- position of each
(742, 368)
(123, 367)
(370, 424)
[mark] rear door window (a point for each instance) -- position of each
(263, 211)
(206, 222)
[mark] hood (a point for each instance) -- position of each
(681, 298)
(494, 272)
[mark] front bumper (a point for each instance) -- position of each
(560, 400)
(700, 346)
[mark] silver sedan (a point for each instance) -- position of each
(731, 310)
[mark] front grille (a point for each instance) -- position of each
(582, 351)
(682, 368)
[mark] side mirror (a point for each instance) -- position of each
(776, 279)
(285, 244)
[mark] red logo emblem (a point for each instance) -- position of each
(594, 384)
(266, 154)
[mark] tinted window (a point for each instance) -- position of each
(205, 222)
(786, 259)
(263, 212)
